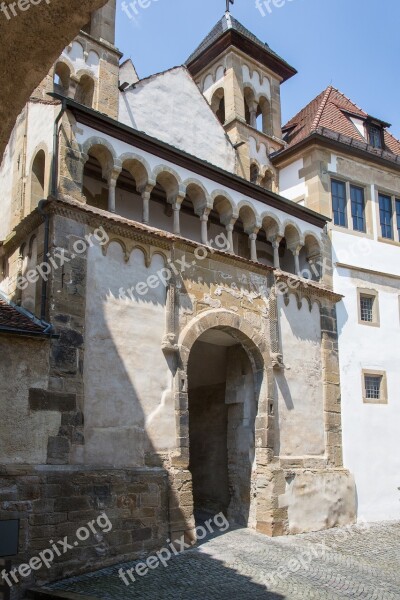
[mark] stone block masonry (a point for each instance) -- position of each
(55, 501)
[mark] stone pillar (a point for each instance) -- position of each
(229, 235)
(73, 84)
(275, 245)
(253, 246)
(112, 184)
(176, 207)
(204, 222)
(296, 251)
(253, 115)
(145, 193)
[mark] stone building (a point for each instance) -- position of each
(190, 362)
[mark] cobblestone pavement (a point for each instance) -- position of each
(356, 562)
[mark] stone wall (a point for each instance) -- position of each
(24, 364)
(54, 502)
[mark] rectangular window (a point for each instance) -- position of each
(368, 307)
(398, 218)
(357, 208)
(386, 216)
(375, 387)
(375, 136)
(339, 203)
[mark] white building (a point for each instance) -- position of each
(345, 164)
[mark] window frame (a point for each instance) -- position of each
(381, 196)
(397, 216)
(353, 203)
(373, 130)
(383, 398)
(339, 182)
(370, 293)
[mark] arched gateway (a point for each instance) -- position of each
(224, 411)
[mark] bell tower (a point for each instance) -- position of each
(88, 69)
(240, 77)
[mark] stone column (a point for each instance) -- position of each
(176, 202)
(296, 251)
(229, 235)
(176, 207)
(204, 221)
(253, 115)
(253, 246)
(275, 245)
(145, 193)
(112, 184)
(73, 84)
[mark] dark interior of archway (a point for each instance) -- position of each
(208, 429)
(222, 410)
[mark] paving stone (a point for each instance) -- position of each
(354, 562)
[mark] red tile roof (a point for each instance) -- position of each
(332, 110)
(14, 319)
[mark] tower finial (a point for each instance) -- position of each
(228, 3)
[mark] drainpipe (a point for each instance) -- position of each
(46, 219)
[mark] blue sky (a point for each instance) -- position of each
(351, 44)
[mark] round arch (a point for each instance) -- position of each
(245, 399)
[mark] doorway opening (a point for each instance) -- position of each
(222, 412)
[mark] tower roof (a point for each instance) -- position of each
(230, 32)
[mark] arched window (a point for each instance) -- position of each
(37, 179)
(95, 185)
(264, 116)
(218, 105)
(254, 173)
(85, 91)
(62, 76)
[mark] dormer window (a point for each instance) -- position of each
(375, 136)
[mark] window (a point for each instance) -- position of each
(375, 136)
(375, 388)
(357, 208)
(254, 172)
(339, 203)
(398, 218)
(368, 307)
(385, 211)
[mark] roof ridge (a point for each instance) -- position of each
(321, 109)
(349, 100)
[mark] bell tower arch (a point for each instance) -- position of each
(238, 73)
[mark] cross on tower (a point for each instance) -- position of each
(228, 3)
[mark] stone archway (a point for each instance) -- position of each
(248, 394)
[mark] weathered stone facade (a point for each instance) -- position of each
(201, 296)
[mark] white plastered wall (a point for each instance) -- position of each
(129, 406)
